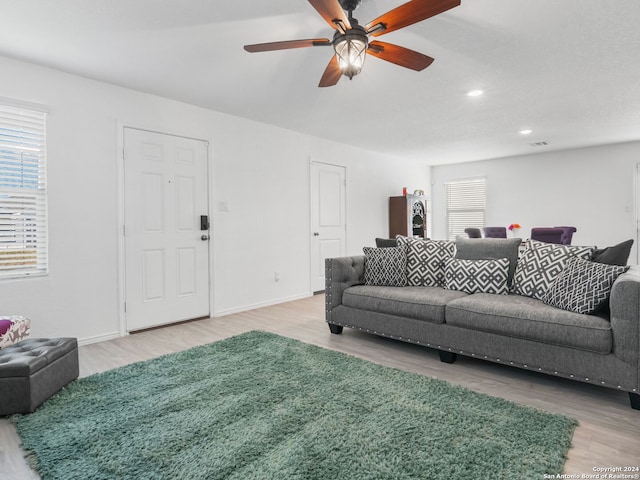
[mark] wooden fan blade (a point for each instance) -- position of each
(399, 55)
(411, 12)
(331, 11)
(332, 73)
(266, 47)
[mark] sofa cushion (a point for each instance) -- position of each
(530, 319)
(583, 286)
(614, 255)
(385, 266)
(540, 264)
(473, 276)
(420, 303)
(490, 248)
(425, 260)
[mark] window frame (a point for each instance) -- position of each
(23, 190)
(468, 209)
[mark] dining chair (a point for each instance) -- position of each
(473, 232)
(567, 235)
(494, 232)
(547, 234)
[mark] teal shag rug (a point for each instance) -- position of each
(262, 406)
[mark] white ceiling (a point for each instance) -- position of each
(569, 70)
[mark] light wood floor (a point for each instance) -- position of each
(608, 434)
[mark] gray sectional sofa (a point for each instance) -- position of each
(517, 329)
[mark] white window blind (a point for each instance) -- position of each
(466, 200)
(23, 200)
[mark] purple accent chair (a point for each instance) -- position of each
(494, 232)
(567, 235)
(546, 234)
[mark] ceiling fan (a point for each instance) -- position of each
(351, 40)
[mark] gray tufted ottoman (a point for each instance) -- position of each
(33, 370)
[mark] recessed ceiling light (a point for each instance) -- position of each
(475, 93)
(526, 131)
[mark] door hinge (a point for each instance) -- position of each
(124, 230)
(125, 307)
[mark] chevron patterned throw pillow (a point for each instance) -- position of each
(583, 286)
(541, 263)
(426, 260)
(477, 276)
(385, 266)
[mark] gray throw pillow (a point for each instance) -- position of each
(614, 255)
(386, 242)
(385, 266)
(477, 276)
(490, 248)
(541, 263)
(583, 286)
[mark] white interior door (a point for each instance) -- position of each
(637, 209)
(328, 218)
(166, 249)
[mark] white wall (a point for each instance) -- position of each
(261, 171)
(592, 189)
(263, 174)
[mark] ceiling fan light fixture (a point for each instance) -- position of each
(351, 50)
(351, 41)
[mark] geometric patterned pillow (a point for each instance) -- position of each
(540, 264)
(385, 266)
(426, 260)
(583, 286)
(477, 276)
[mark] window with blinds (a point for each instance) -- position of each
(466, 200)
(23, 200)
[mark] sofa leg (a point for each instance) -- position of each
(447, 357)
(634, 398)
(337, 329)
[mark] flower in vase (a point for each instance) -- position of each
(514, 226)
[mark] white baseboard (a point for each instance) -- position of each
(221, 313)
(98, 338)
(246, 308)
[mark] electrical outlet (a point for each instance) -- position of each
(276, 276)
(223, 206)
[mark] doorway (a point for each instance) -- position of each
(328, 189)
(166, 229)
(637, 210)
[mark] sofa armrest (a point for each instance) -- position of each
(340, 274)
(625, 316)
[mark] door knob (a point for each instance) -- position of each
(204, 238)
(316, 234)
